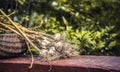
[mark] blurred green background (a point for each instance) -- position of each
(91, 24)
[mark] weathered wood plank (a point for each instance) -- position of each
(75, 64)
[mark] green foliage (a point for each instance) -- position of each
(91, 24)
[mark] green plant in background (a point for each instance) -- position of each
(91, 24)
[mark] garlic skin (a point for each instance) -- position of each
(56, 49)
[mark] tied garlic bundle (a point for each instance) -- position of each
(49, 47)
(56, 49)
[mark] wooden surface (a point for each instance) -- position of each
(74, 64)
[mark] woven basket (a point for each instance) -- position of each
(11, 45)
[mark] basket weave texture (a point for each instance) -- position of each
(11, 45)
